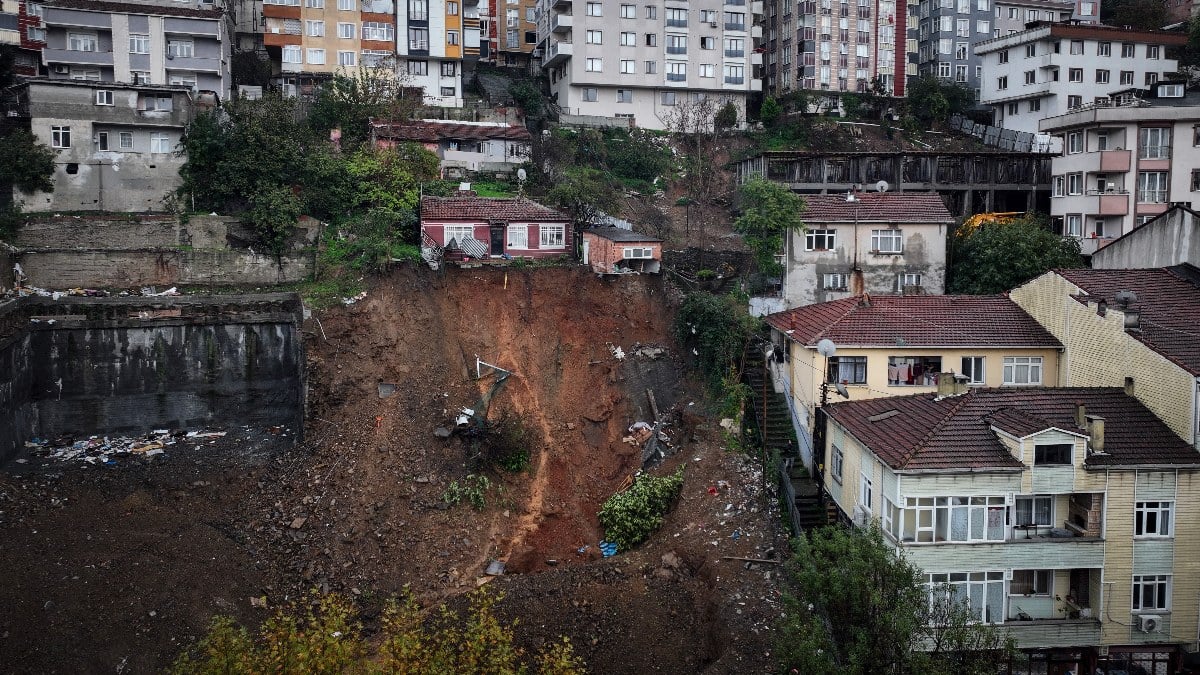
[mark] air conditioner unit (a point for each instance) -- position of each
(62, 70)
(1149, 623)
(712, 24)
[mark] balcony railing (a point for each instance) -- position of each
(735, 53)
(730, 79)
(676, 50)
(677, 23)
(676, 77)
(1152, 196)
(735, 26)
(1154, 151)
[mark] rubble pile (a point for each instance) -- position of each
(108, 450)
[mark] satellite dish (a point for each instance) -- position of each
(521, 175)
(841, 389)
(882, 186)
(825, 348)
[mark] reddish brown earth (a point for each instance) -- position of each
(113, 569)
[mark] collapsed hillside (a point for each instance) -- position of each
(118, 567)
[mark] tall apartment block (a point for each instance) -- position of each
(838, 46)
(429, 42)
(639, 60)
(141, 44)
(511, 32)
(314, 37)
(950, 29)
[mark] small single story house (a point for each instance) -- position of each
(461, 146)
(467, 226)
(614, 250)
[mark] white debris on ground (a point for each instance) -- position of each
(107, 450)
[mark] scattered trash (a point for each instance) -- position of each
(617, 352)
(259, 602)
(608, 548)
(442, 432)
(495, 568)
(354, 299)
(106, 449)
(386, 389)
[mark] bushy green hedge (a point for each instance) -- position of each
(630, 517)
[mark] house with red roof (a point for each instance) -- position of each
(894, 345)
(1134, 327)
(867, 242)
(468, 227)
(1068, 517)
(461, 146)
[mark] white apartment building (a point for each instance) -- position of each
(429, 43)
(1125, 162)
(641, 61)
(1051, 69)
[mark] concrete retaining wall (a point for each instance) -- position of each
(128, 365)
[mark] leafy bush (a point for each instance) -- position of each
(327, 637)
(716, 327)
(472, 490)
(630, 517)
(368, 242)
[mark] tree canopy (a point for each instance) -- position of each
(584, 193)
(1000, 256)
(1145, 14)
(26, 163)
(856, 607)
(770, 212)
(931, 100)
(349, 102)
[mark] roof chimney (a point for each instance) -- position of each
(1132, 319)
(1129, 386)
(948, 384)
(1095, 429)
(1080, 415)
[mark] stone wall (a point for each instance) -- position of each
(83, 366)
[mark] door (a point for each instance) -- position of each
(497, 247)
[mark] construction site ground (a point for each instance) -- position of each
(114, 568)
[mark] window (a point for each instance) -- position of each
(1102, 76)
(449, 68)
(1031, 582)
(594, 65)
(1031, 512)
(346, 31)
(1022, 370)
(676, 44)
(668, 98)
(160, 144)
(887, 241)
(1126, 77)
(292, 54)
(418, 10)
(1074, 142)
(125, 139)
(60, 137)
(1103, 49)
(972, 369)
(1151, 78)
(708, 70)
(1074, 183)
(735, 21)
(104, 97)
(183, 79)
(346, 5)
(35, 9)
(315, 4)
(735, 47)
(833, 282)
(983, 27)
(1035, 104)
(1058, 454)
(625, 95)
(1059, 186)
(36, 34)
(651, 67)
(553, 236)
(1195, 180)
(348, 59)
(315, 57)
(735, 74)
(447, 91)
(913, 371)
(451, 37)
(597, 9)
(1030, 77)
(651, 12)
(1154, 143)
(1152, 187)
(1074, 102)
(82, 42)
(1126, 50)
(865, 491)
(102, 140)
(1152, 519)
(628, 39)
(1030, 51)
(628, 66)
(708, 16)
(1004, 56)
(1074, 225)
(836, 460)
(1152, 51)
(418, 68)
(848, 369)
(1075, 74)
(907, 279)
(930, 519)
(677, 18)
(594, 37)
(819, 240)
(1151, 592)
(1002, 82)
(676, 71)
(452, 8)
(181, 48)
(315, 28)
(139, 44)
(1076, 46)
(590, 94)
(386, 32)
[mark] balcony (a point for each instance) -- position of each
(53, 56)
(735, 26)
(1054, 632)
(756, 58)
(557, 53)
(735, 53)
(562, 23)
(1110, 202)
(561, 5)
(1114, 160)
(730, 79)
(676, 50)
(676, 77)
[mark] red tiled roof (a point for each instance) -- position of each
(877, 207)
(483, 209)
(1168, 303)
(134, 8)
(915, 321)
(955, 433)
(431, 132)
(1017, 422)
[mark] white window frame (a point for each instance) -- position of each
(637, 253)
(594, 64)
(60, 137)
(1014, 366)
(820, 240)
(102, 141)
(1153, 587)
(973, 367)
(139, 43)
(457, 233)
(837, 460)
(347, 5)
(125, 140)
(905, 279)
(347, 59)
(104, 97)
(887, 241)
(83, 42)
(181, 48)
(594, 37)
(160, 144)
(315, 57)
(866, 491)
(1152, 520)
(314, 27)
(627, 11)
(595, 9)
(292, 54)
(552, 236)
(518, 237)
(834, 281)
(346, 31)
(628, 67)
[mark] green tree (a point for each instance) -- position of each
(1191, 52)
(25, 163)
(716, 328)
(349, 102)
(390, 178)
(770, 112)
(528, 97)
(997, 257)
(853, 606)
(726, 118)
(932, 100)
(769, 213)
(327, 637)
(1144, 14)
(272, 213)
(585, 193)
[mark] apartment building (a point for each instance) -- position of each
(429, 44)
(950, 29)
(321, 37)
(512, 33)
(1048, 70)
(142, 44)
(10, 22)
(115, 141)
(28, 59)
(1067, 517)
(641, 61)
(1125, 161)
